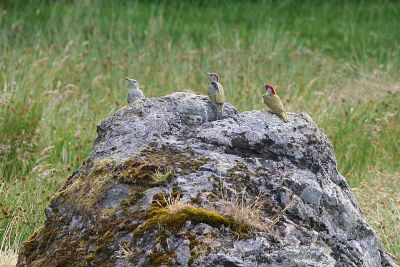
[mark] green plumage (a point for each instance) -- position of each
(217, 96)
(274, 103)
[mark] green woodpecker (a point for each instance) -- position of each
(216, 92)
(134, 93)
(274, 102)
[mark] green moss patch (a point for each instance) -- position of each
(173, 221)
(89, 191)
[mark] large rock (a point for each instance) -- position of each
(168, 185)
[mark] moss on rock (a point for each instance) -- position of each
(181, 163)
(141, 172)
(163, 217)
(80, 231)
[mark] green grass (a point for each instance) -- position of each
(62, 63)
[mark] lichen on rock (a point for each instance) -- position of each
(150, 194)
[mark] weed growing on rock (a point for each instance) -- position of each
(242, 208)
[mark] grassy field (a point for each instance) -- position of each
(62, 63)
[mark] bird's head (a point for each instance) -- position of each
(270, 88)
(213, 76)
(132, 81)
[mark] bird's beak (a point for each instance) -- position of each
(208, 73)
(126, 78)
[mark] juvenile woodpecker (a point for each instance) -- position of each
(274, 102)
(134, 93)
(216, 92)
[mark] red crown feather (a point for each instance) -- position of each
(271, 86)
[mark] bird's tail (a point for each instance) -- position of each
(283, 116)
(218, 109)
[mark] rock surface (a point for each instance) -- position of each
(168, 185)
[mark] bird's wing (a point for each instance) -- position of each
(215, 86)
(140, 93)
(220, 96)
(274, 103)
(212, 92)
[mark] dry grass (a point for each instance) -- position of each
(125, 251)
(242, 208)
(8, 258)
(9, 246)
(173, 203)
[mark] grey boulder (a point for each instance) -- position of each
(167, 184)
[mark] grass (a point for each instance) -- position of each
(62, 65)
(380, 201)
